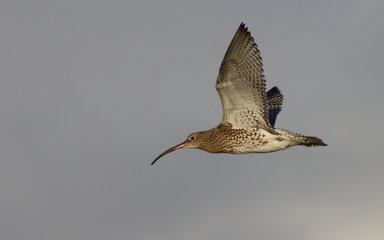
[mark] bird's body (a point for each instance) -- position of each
(249, 112)
(226, 139)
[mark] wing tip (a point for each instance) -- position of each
(274, 91)
(275, 102)
(243, 28)
(244, 32)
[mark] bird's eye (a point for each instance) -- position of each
(192, 138)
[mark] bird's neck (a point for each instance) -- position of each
(215, 140)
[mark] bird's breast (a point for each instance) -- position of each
(224, 139)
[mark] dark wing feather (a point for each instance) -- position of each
(275, 104)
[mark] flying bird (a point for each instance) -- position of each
(249, 112)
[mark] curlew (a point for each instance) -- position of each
(249, 112)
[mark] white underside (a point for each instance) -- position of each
(273, 143)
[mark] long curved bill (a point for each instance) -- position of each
(178, 146)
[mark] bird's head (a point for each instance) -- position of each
(194, 140)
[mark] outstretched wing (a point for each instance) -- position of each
(241, 84)
(275, 104)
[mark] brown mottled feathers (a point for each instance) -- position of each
(241, 84)
(225, 138)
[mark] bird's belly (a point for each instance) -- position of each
(269, 144)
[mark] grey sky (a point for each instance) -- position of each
(92, 91)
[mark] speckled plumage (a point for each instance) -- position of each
(249, 112)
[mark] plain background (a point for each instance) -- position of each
(92, 91)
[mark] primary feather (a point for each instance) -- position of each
(275, 104)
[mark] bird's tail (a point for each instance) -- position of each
(299, 139)
(311, 141)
